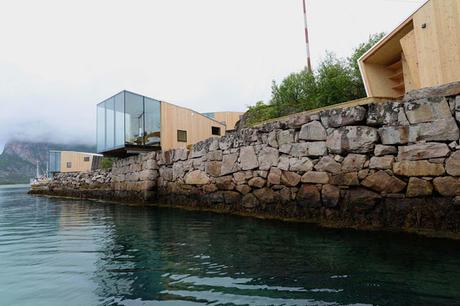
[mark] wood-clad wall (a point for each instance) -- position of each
(438, 44)
(174, 118)
(425, 49)
(229, 118)
(77, 161)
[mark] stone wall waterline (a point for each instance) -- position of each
(391, 165)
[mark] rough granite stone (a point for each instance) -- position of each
(382, 163)
(453, 164)
(423, 151)
(427, 110)
(384, 183)
(291, 179)
(229, 164)
(300, 164)
(315, 177)
(268, 157)
(313, 131)
(447, 186)
(419, 188)
(197, 177)
(330, 195)
(418, 168)
(248, 158)
(353, 162)
(345, 179)
(328, 164)
(342, 117)
(352, 139)
(381, 150)
(394, 135)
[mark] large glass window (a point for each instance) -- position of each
(134, 119)
(152, 122)
(110, 123)
(54, 161)
(120, 119)
(128, 119)
(100, 129)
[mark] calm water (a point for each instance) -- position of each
(63, 252)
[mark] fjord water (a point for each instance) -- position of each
(68, 252)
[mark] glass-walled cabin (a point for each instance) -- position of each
(128, 122)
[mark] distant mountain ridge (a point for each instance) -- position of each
(19, 159)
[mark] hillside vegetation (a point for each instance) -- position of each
(335, 80)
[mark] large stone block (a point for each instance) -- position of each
(213, 168)
(392, 135)
(388, 113)
(345, 179)
(419, 188)
(447, 186)
(342, 117)
(352, 139)
(300, 164)
(309, 195)
(229, 164)
(328, 164)
(418, 168)
(266, 195)
(453, 164)
(384, 183)
(285, 137)
(299, 149)
(197, 177)
(423, 151)
(382, 150)
(317, 148)
(427, 110)
(257, 182)
(315, 177)
(353, 162)
(248, 158)
(274, 177)
(330, 195)
(382, 163)
(313, 131)
(290, 178)
(268, 157)
(439, 130)
(249, 201)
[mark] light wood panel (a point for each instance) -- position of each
(175, 118)
(428, 44)
(410, 61)
(437, 36)
(77, 161)
(228, 118)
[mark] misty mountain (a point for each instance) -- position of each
(19, 159)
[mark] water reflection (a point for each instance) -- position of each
(92, 253)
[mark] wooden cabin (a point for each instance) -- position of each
(69, 161)
(228, 118)
(423, 51)
(129, 123)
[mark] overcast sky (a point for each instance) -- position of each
(59, 58)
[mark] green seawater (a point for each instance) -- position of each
(67, 252)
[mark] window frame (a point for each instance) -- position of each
(179, 136)
(216, 128)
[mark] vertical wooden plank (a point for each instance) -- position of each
(410, 62)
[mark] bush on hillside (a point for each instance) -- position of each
(336, 80)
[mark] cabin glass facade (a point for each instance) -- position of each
(127, 119)
(54, 161)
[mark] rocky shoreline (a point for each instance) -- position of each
(393, 165)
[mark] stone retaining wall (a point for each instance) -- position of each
(392, 165)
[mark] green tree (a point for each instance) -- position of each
(335, 80)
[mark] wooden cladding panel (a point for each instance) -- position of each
(230, 118)
(174, 118)
(77, 161)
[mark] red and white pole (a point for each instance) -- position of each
(306, 37)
